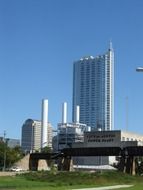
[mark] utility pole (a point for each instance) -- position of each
(4, 157)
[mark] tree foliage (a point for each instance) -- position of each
(46, 149)
(9, 155)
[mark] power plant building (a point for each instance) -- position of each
(93, 90)
(69, 133)
(113, 138)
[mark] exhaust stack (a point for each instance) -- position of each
(64, 112)
(77, 114)
(44, 123)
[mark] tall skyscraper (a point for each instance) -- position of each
(93, 90)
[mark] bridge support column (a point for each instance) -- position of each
(65, 164)
(33, 164)
(43, 164)
(130, 165)
(121, 166)
(60, 163)
(68, 164)
(134, 166)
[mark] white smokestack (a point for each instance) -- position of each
(64, 112)
(44, 123)
(77, 114)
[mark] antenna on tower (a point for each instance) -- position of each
(110, 45)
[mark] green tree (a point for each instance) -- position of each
(9, 155)
(2, 146)
(46, 149)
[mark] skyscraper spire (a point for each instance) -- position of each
(110, 45)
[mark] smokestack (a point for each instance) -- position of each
(44, 123)
(64, 112)
(77, 114)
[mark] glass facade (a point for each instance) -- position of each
(93, 80)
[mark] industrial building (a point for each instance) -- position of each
(93, 90)
(69, 133)
(114, 138)
(76, 135)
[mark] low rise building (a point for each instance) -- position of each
(114, 138)
(10, 142)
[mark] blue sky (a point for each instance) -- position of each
(40, 40)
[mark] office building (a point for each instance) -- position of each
(93, 90)
(32, 134)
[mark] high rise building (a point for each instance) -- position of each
(32, 134)
(93, 90)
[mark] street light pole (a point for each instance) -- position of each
(4, 158)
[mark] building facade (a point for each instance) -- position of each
(93, 90)
(31, 135)
(113, 138)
